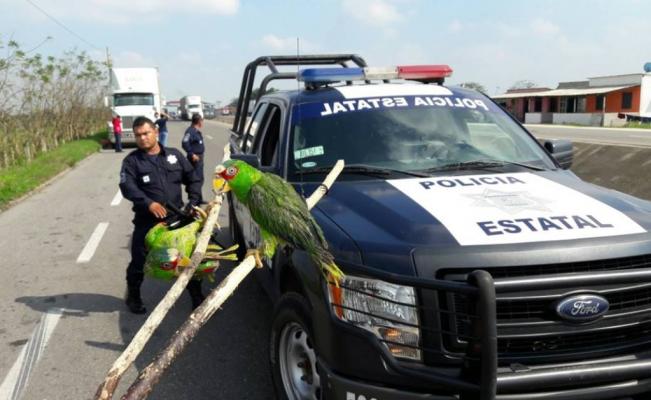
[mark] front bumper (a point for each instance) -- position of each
(127, 137)
(336, 387)
(483, 375)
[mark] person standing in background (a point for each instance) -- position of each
(161, 123)
(117, 132)
(194, 147)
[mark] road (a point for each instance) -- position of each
(63, 322)
(615, 136)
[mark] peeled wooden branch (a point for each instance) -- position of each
(107, 388)
(145, 382)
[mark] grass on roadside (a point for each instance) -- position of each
(24, 177)
(637, 125)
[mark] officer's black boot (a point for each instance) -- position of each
(133, 300)
(194, 290)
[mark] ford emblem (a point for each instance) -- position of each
(582, 308)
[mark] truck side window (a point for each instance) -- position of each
(267, 145)
(254, 126)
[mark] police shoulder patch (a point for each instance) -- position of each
(186, 137)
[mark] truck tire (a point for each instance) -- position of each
(292, 355)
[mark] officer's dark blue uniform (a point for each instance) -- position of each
(153, 178)
(193, 145)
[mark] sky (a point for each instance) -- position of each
(202, 46)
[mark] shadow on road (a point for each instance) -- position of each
(76, 304)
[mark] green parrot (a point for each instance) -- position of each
(168, 251)
(279, 211)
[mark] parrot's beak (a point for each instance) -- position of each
(219, 184)
(184, 262)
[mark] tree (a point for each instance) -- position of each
(46, 100)
(474, 86)
(523, 84)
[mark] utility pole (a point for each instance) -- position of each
(109, 64)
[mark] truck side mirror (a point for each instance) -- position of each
(561, 150)
(106, 101)
(251, 159)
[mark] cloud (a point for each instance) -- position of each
(373, 12)
(128, 11)
(128, 58)
(507, 30)
(455, 26)
(544, 27)
(286, 44)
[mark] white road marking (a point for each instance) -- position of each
(89, 250)
(117, 199)
(16, 380)
(209, 137)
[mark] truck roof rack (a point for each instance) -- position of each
(272, 62)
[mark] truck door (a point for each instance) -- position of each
(256, 127)
(266, 144)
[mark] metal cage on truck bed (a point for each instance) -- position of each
(272, 62)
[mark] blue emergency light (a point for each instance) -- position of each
(330, 75)
(426, 73)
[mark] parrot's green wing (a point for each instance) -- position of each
(279, 210)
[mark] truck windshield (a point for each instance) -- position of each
(409, 135)
(133, 99)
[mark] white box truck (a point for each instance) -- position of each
(134, 92)
(190, 105)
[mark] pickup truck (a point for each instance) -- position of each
(478, 266)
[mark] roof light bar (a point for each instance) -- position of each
(381, 73)
(423, 73)
(328, 75)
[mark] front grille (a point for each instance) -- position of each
(528, 326)
(616, 264)
(621, 302)
(127, 123)
(586, 342)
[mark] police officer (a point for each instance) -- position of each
(194, 147)
(151, 177)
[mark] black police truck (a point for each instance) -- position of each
(478, 266)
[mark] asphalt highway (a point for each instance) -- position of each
(62, 317)
(611, 136)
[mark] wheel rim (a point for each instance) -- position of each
(298, 364)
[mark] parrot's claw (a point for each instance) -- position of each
(218, 253)
(217, 256)
(200, 213)
(256, 255)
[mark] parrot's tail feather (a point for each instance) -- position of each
(332, 273)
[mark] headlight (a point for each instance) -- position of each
(387, 310)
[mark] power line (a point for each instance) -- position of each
(62, 25)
